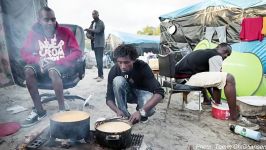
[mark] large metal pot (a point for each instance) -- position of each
(70, 125)
(115, 134)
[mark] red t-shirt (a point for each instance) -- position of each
(62, 48)
(251, 29)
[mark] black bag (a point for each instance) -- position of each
(89, 35)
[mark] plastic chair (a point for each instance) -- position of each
(167, 68)
(184, 89)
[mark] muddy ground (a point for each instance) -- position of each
(171, 129)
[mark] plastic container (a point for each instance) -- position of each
(220, 111)
(255, 135)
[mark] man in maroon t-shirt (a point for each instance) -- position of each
(49, 52)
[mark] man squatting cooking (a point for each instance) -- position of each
(132, 81)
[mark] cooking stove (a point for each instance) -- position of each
(44, 141)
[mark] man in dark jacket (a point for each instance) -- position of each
(132, 81)
(49, 52)
(96, 34)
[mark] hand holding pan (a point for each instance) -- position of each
(104, 120)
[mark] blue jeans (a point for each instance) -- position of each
(125, 94)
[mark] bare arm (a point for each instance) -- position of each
(99, 28)
(155, 99)
(114, 108)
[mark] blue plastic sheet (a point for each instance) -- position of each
(256, 47)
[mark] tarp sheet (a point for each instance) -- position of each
(5, 70)
(256, 47)
(191, 21)
(143, 43)
(207, 3)
(129, 38)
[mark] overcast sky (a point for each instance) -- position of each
(122, 15)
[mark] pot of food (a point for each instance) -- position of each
(113, 133)
(70, 125)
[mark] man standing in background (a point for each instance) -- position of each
(96, 34)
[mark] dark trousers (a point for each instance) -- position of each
(99, 59)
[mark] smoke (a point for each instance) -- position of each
(18, 18)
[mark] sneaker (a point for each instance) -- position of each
(33, 118)
(64, 110)
(99, 79)
(137, 108)
(244, 122)
(61, 111)
(96, 78)
(144, 119)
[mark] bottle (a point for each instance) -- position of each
(255, 135)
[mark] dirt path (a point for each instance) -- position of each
(174, 129)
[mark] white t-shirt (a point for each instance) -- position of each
(215, 64)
